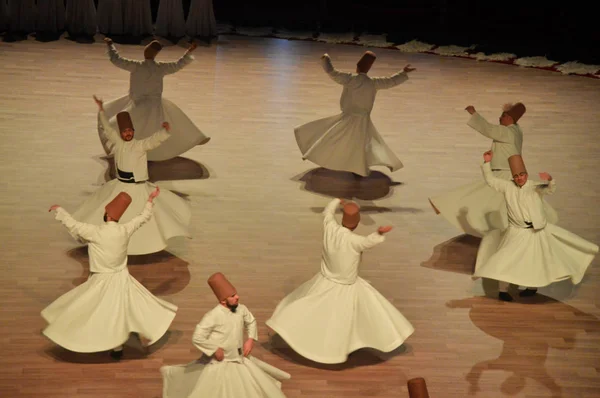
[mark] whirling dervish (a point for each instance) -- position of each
(349, 141)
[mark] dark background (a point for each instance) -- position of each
(562, 31)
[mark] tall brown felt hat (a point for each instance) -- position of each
(220, 286)
(417, 388)
(517, 165)
(515, 111)
(351, 216)
(152, 49)
(366, 61)
(118, 205)
(124, 121)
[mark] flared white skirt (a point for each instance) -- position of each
(531, 258)
(171, 217)
(325, 321)
(99, 314)
(345, 142)
(252, 378)
(476, 208)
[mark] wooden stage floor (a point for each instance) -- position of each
(256, 216)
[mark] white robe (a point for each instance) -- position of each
(22, 16)
(337, 312)
(100, 314)
(201, 19)
(110, 17)
(349, 141)
(148, 109)
(137, 18)
(476, 208)
(234, 377)
(170, 20)
(50, 16)
(172, 214)
(81, 17)
(532, 257)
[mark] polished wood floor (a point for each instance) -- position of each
(256, 216)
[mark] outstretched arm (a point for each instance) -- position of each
(109, 132)
(118, 61)
(329, 211)
(496, 132)
(172, 67)
(145, 216)
(382, 83)
(549, 188)
(335, 75)
(498, 184)
(362, 243)
(78, 229)
(157, 138)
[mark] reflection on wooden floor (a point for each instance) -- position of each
(256, 216)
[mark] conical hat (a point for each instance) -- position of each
(152, 49)
(417, 388)
(118, 205)
(124, 121)
(366, 61)
(515, 111)
(220, 286)
(351, 216)
(517, 166)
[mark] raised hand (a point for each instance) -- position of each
(408, 69)
(545, 176)
(99, 103)
(166, 126)
(487, 156)
(470, 109)
(384, 230)
(53, 207)
(193, 46)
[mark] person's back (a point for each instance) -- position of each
(504, 150)
(99, 314)
(342, 248)
(358, 96)
(339, 259)
(507, 136)
(146, 81)
(108, 249)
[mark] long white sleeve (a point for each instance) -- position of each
(168, 68)
(135, 223)
(547, 189)
(250, 325)
(202, 334)
(329, 211)
(494, 131)
(109, 132)
(154, 140)
(361, 243)
(120, 62)
(498, 184)
(382, 83)
(78, 229)
(335, 75)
